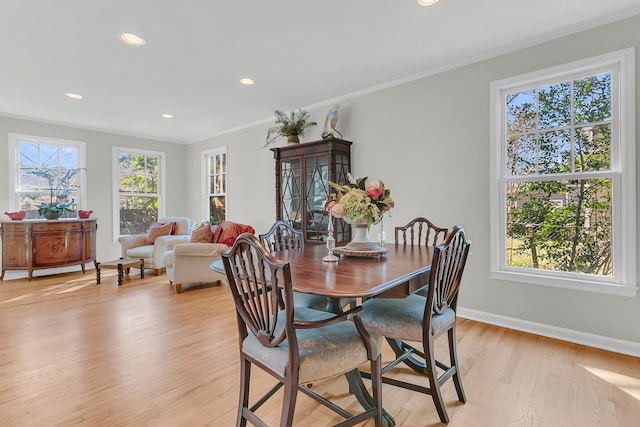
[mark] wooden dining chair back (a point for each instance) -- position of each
(417, 318)
(420, 231)
(282, 236)
(296, 345)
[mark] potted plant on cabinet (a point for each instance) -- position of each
(291, 126)
(60, 184)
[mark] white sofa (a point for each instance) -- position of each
(133, 245)
(189, 262)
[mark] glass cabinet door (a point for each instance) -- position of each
(317, 186)
(291, 198)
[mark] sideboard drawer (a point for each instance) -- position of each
(55, 226)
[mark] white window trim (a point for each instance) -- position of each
(623, 158)
(206, 154)
(115, 184)
(14, 164)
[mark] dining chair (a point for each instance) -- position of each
(422, 319)
(296, 345)
(282, 236)
(420, 231)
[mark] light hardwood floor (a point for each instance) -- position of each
(73, 353)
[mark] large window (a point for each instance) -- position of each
(563, 193)
(46, 170)
(216, 184)
(138, 190)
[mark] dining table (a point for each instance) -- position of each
(402, 270)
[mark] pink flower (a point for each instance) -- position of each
(329, 205)
(337, 210)
(373, 190)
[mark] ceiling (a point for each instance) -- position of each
(300, 54)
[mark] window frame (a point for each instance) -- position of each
(14, 140)
(116, 183)
(621, 64)
(206, 156)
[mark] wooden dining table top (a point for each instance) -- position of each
(402, 270)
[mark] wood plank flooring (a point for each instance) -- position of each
(73, 353)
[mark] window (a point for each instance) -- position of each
(563, 176)
(46, 170)
(139, 190)
(216, 184)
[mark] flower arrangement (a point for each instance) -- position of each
(360, 200)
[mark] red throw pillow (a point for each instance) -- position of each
(229, 242)
(231, 230)
(201, 234)
(156, 230)
(215, 233)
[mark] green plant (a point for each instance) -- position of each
(292, 124)
(60, 184)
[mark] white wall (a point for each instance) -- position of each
(428, 140)
(99, 162)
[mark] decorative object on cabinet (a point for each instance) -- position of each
(330, 123)
(60, 183)
(16, 216)
(37, 244)
(84, 214)
(291, 126)
(303, 173)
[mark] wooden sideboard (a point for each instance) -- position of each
(38, 244)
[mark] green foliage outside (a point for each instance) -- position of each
(138, 184)
(555, 223)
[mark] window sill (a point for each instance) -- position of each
(601, 287)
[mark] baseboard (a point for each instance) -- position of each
(598, 341)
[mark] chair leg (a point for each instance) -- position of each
(289, 401)
(453, 354)
(157, 271)
(178, 287)
(245, 378)
(376, 388)
(432, 373)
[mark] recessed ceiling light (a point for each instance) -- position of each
(73, 95)
(247, 81)
(167, 116)
(132, 39)
(427, 2)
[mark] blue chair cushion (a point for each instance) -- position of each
(402, 317)
(324, 352)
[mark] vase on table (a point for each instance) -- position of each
(361, 240)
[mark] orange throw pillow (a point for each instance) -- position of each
(201, 234)
(156, 230)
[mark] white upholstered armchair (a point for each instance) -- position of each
(135, 245)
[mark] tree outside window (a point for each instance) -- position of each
(564, 153)
(138, 191)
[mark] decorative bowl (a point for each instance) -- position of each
(84, 214)
(16, 216)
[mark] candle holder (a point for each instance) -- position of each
(331, 242)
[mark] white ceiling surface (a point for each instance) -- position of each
(301, 53)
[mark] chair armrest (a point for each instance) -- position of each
(176, 240)
(199, 249)
(129, 241)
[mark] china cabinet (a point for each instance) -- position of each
(303, 172)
